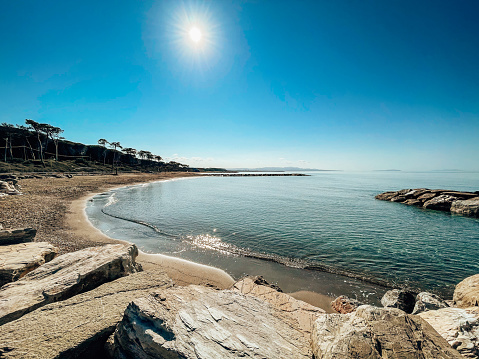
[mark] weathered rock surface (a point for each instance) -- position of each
(466, 293)
(376, 333)
(345, 305)
(302, 313)
(464, 203)
(200, 322)
(399, 298)
(8, 189)
(19, 259)
(64, 277)
(427, 301)
(15, 236)
(468, 207)
(442, 202)
(73, 327)
(460, 327)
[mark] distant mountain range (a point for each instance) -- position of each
(276, 169)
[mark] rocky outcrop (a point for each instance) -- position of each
(399, 298)
(64, 277)
(427, 301)
(15, 236)
(467, 207)
(200, 322)
(19, 259)
(460, 327)
(8, 189)
(75, 327)
(466, 293)
(442, 202)
(464, 203)
(345, 305)
(302, 313)
(372, 332)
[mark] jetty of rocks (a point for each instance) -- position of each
(463, 203)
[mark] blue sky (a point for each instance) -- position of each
(351, 85)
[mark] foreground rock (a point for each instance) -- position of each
(372, 332)
(302, 313)
(8, 189)
(200, 322)
(399, 298)
(460, 327)
(64, 277)
(77, 326)
(464, 203)
(427, 301)
(15, 236)
(466, 293)
(345, 305)
(19, 259)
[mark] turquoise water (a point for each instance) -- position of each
(328, 220)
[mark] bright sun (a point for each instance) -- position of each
(195, 34)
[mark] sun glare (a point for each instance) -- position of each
(195, 34)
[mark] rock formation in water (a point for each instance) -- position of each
(463, 203)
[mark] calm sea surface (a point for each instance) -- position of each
(329, 220)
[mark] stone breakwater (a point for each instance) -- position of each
(255, 174)
(463, 203)
(99, 303)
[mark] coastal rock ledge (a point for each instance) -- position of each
(201, 322)
(66, 276)
(463, 203)
(375, 333)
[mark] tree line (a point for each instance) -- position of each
(38, 142)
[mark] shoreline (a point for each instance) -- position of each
(182, 271)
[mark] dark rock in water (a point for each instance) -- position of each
(399, 298)
(468, 207)
(442, 202)
(66, 276)
(427, 301)
(75, 327)
(345, 305)
(259, 280)
(426, 197)
(413, 202)
(464, 203)
(386, 196)
(200, 322)
(15, 236)
(376, 333)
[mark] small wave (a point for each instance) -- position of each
(207, 241)
(111, 200)
(143, 223)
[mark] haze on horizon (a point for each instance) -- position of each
(319, 84)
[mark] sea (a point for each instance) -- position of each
(324, 232)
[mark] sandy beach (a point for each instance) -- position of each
(56, 208)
